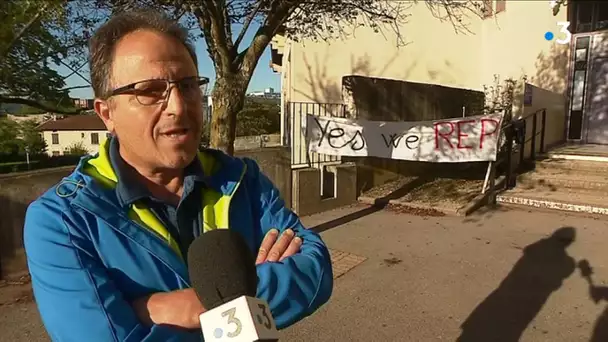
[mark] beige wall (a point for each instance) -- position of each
(68, 138)
(433, 54)
(514, 47)
(510, 44)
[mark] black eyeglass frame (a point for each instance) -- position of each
(124, 89)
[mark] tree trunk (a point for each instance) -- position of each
(228, 99)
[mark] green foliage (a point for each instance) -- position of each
(35, 37)
(32, 138)
(77, 149)
(16, 138)
(258, 116)
(10, 144)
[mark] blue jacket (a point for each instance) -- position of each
(89, 259)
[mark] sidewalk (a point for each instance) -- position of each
(425, 276)
(414, 278)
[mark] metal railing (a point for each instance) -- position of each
(297, 128)
(515, 133)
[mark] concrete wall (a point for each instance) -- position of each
(69, 138)
(555, 122)
(308, 191)
(274, 163)
(372, 98)
(17, 191)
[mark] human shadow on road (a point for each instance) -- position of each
(506, 312)
(597, 293)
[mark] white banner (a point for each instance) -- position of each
(458, 140)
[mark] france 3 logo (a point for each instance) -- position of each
(564, 32)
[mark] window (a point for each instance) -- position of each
(501, 6)
(55, 153)
(55, 138)
(589, 16)
(95, 138)
(82, 135)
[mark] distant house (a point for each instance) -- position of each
(86, 130)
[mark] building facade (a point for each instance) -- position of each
(82, 131)
(558, 62)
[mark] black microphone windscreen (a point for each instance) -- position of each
(221, 267)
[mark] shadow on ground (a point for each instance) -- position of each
(379, 204)
(507, 311)
(597, 294)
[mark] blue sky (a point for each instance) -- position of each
(263, 76)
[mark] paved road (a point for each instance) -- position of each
(501, 272)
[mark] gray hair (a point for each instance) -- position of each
(103, 43)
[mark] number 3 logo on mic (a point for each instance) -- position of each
(244, 319)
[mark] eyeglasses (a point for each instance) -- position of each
(156, 91)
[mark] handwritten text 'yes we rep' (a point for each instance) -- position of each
(335, 138)
(338, 137)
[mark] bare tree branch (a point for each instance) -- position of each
(36, 104)
(76, 87)
(277, 15)
(215, 39)
(75, 71)
(247, 22)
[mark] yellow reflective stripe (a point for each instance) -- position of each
(101, 170)
(146, 218)
(138, 212)
(215, 205)
(102, 163)
(213, 201)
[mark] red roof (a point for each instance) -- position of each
(75, 123)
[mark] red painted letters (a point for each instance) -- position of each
(488, 127)
(463, 135)
(484, 132)
(445, 136)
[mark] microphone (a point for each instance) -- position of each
(223, 274)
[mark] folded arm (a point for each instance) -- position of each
(76, 299)
(298, 285)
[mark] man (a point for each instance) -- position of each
(106, 246)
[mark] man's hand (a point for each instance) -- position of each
(272, 250)
(180, 309)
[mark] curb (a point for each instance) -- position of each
(552, 205)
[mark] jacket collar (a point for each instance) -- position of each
(223, 174)
(102, 201)
(129, 190)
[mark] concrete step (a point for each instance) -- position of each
(552, 180)
(569, 166)
(581, 155)
(582, 202)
